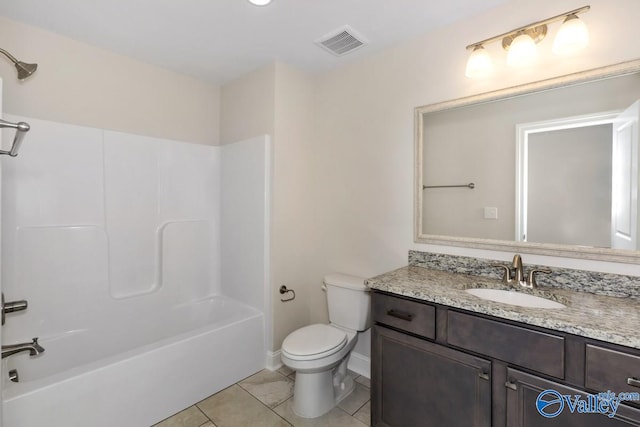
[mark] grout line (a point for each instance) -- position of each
(285, 420)
(260, 401)
(265, 405)
(251, 395)
(248, 391)
(277, 405)
(249, 376)
(205, 415)
(364, 385)
(346, 412)
(200, 401)
(363, 405)
(281, 374)
(353, 416)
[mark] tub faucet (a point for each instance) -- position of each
(33, 348)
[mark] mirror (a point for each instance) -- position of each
(542, 168)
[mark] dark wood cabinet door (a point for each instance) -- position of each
(418, 383)
(523, 392)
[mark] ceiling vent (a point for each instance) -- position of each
(341, 41)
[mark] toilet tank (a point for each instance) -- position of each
(349, 301)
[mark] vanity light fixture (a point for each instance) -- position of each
(520, 43)
(260, 2)
(572, 36)
(522, 52)
(479, 63)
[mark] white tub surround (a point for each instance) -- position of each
(117, 242)
(141, 386)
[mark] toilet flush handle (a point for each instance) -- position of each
(324, 287)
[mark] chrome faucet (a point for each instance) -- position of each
(33, 348)
(518, 271)
(515, 273)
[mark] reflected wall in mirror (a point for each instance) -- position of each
(554, 166)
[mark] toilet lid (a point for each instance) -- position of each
(314, 339)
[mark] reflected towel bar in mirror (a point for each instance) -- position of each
(470, 185)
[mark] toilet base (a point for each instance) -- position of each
(317, 393)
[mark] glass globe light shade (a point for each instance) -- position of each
(479, 63)
(522, 51)
(260, 2)
(572, 36)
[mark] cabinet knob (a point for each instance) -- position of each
(511, 384)
(484, 375)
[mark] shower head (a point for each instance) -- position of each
(24, 69)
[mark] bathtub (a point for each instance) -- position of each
(164, 363)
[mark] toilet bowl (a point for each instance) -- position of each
(319, 353)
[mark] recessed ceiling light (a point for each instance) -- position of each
(260, 2)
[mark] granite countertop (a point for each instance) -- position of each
(611, 319)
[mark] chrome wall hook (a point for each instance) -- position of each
(284, 290)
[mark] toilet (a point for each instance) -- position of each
(319, 353)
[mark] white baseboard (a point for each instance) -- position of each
(273, 360)
(360, 364)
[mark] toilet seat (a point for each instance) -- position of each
(314, 342)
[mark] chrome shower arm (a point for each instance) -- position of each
(8, 55)
(24, 69)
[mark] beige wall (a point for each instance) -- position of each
(342, 141)
(278, 100)
(362, 168)
(248, 106)
(80, 84)
(343, 174)
(343, 145)
(294, 201)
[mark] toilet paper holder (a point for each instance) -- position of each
(284, 290)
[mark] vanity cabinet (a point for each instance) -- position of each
(420, 383)
(433, 365)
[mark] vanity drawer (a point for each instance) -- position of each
(410, 316)
(538, 351)
(607, 369)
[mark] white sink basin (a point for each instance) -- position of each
(514, 298)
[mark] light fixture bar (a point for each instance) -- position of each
(526, 27)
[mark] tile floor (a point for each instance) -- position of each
(265, 400)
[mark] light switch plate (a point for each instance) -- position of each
(490, 213)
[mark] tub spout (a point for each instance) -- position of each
(33, 348)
